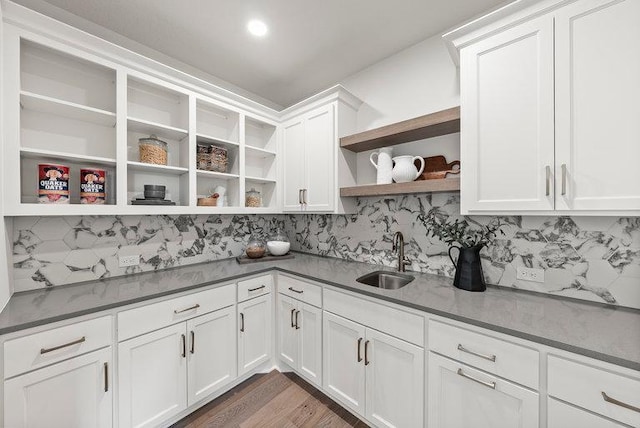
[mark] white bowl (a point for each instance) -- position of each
(278, 248)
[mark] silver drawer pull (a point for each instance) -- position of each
(548, 180)
(564, 179)
(491, 385)
(486, 357)
(296, 291)
(619, 403)
(190, 308)
(251, 290)
(55, 348)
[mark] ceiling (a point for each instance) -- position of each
(311, 45)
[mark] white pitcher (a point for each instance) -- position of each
(383, 164)
(405, 170)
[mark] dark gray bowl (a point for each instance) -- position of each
(154, 191)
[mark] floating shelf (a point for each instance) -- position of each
(149, 167)
(431, 125)
(207, 139)
(421, 186)
(162, 131)
(260, 180)
(49, 105)
(40, 154)
(258, 152)
(213, 174)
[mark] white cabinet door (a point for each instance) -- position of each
(320, 146)
(343, 361)
(287, 333)
(395, 381)
(597, 109)
(309, 323)
(294, 164)
(212, 353)
(152, 377)
(254, 337)
(461, 397)
(74, 393)
(507, 127)
(562, 415)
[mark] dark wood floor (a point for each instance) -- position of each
(273, 400)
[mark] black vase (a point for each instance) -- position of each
(468, 269)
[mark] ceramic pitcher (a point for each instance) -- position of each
(383, 164)
(404, 169)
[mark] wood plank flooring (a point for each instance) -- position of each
(273, 400)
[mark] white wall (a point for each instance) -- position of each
(419, 80)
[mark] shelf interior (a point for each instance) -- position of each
(217, 123)
(177, 148)
(431, 125)
(157, 105)
(260, 135)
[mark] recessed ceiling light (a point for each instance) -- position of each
(257, 28)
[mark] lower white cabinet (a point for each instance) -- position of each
(460, 397)
(374, 374)
(74, 393)
(254, 333)
(163, 372)
(562, 415)
(300, 337)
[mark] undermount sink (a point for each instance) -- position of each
(385, 279)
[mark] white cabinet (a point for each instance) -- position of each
(549, 110)
(309, 146)
(372, 373)
(562, 415)
(300, 337)
(212, 353)
(254, 333)
(507, 138)
(74, 393)
(460, 397)
(597, 109)
(152, 373)
(163, 372)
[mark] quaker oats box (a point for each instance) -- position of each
(92, 186)
(53, 184)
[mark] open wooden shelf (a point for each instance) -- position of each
(421, 186)
(431, 125)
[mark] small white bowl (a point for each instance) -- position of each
(278, 248)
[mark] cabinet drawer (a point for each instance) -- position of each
(300, 290)
(158, 315)
(254, 287)
(505, 359)
(396, 322)
(585, 386)
(47, 347)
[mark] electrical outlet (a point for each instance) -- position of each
(530, 274)
(126, 261)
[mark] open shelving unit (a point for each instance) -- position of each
(81, 111)
(428, 126)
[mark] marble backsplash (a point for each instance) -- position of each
(593, 258)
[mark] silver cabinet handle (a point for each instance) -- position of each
(293, 311)
(184, 346)
(304, 196)
(564, 179)
(297, 326)
(296, 291)
(190, 308)
(366, 353)
(486, 357)
(300, 196)
(106, 377)
(251, 290)
(359, 342)
(241, 322)
(619, 403)
(548, 180)
(491, 385)
(193, 342)
(55, 348)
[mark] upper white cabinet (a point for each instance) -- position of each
(314, 165)
(549, 109)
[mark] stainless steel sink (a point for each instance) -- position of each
(385, 279)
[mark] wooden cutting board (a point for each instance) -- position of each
(436, 167)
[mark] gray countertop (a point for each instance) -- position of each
(604, 332)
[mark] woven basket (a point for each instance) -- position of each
(207, 202)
